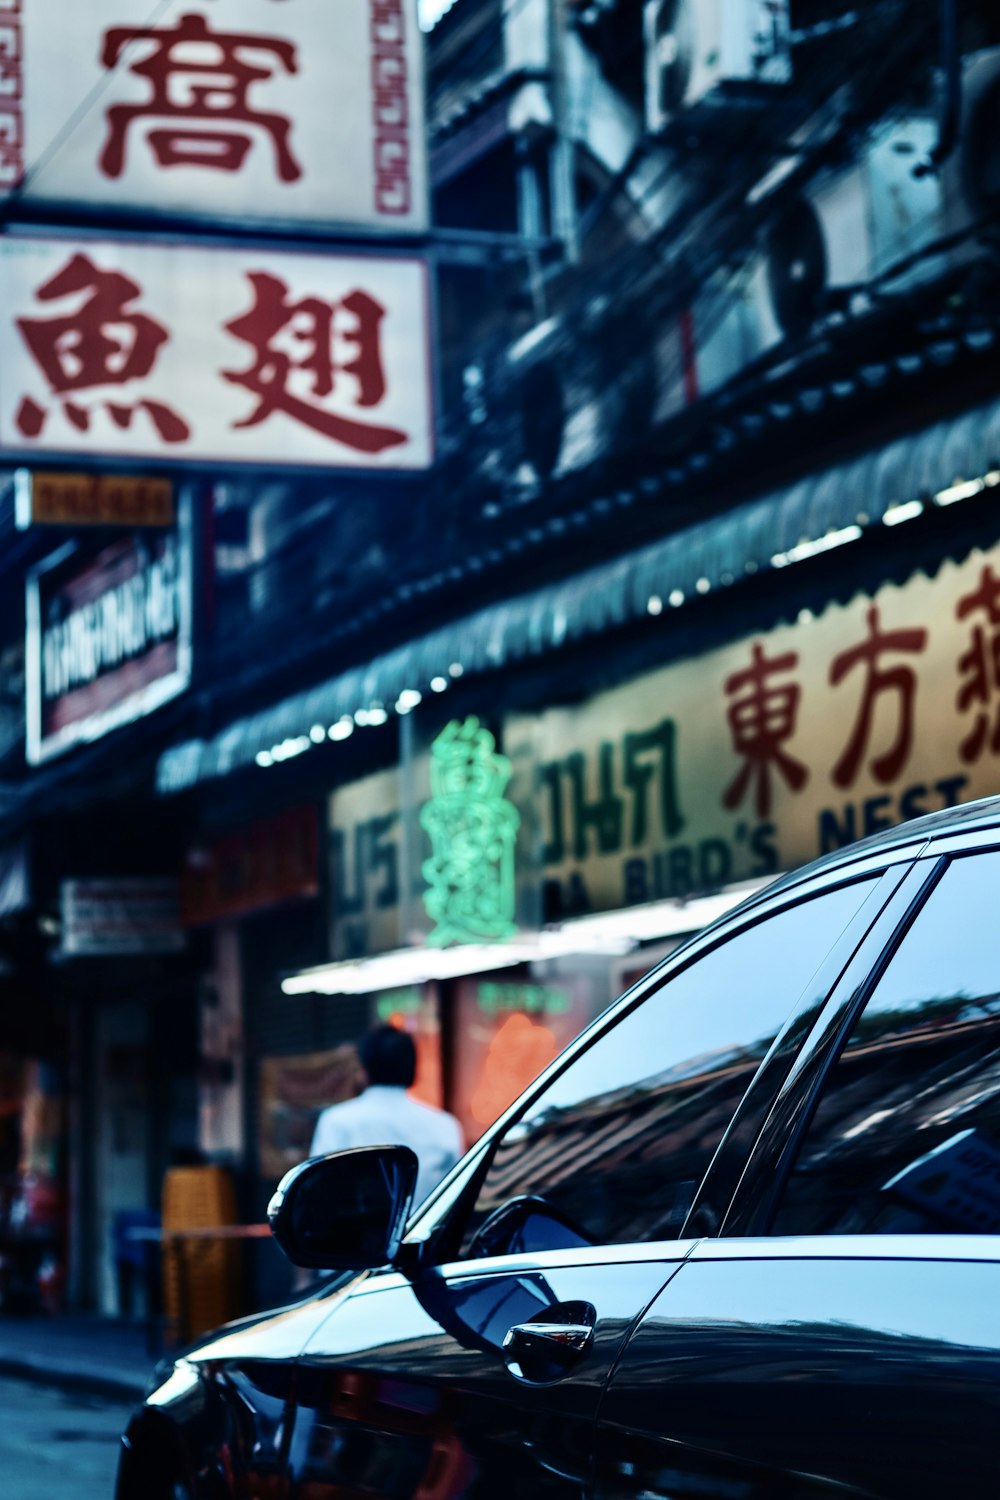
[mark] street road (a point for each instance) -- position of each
(55, 1444)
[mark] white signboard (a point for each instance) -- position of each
(139, 915)
(140, 350)
(304, 112)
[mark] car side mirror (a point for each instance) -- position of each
(345, 1212)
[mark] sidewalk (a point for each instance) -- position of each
(78, 1352)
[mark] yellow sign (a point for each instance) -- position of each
(51, 499)
(759, 756)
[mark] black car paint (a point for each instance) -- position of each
(794, 1376)
(781, 1370)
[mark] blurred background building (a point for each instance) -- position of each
(699, 583)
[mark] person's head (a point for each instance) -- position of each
(388, 1056)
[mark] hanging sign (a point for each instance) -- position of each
(303, 114)
(216, 354)
(108, 638)
(42, 499)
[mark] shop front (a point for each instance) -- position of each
(520, 875)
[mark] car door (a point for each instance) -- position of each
(843, 1335)
(479, 1371)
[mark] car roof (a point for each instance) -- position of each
(968, 816)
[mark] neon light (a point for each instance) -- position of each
(470, 878)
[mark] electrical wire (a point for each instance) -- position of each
(89, 101)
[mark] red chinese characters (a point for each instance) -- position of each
(199, 83)
(899, 679)
(306, 353)
(762, 717)
(102, 341)
(979, 667)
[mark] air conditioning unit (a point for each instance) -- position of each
(970, 178)
(700, 53)
(854, 225)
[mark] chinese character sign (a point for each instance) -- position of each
(472, 828)
(762, 755)
(296, 111)
(227, 354)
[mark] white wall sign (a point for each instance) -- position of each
(139, 915)
(112, 347)
(300, 112)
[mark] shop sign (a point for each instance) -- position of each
(366, 865)
(50, 499)
(103, 918)
(219, 354)
(301, 114)
(469, 893)
(760, 756)
(425, 853)
(108, 638)
(266, 864)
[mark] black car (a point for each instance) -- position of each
(740, 1240)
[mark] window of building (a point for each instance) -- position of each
(906, 1136)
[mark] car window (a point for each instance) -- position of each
(616, 1146)
(906, 1135)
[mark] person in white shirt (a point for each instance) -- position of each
(385, 1115)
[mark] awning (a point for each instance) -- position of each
(952, 460)
(607, 933)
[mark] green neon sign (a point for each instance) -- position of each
(472, 829)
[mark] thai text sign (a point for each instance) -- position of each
(120, 916)
(109, 638)
(303, 112)
(366, 866)
(227, 354)
(91, 500)
(760, 756)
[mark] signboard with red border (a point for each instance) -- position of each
(108, 636)
(303, 114)
(116, 348)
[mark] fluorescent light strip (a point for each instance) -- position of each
(607, 933)
(962, 491)
(907, 510)
(812, 549)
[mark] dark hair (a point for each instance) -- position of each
(388, 1056)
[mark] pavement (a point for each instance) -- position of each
(56, 1442)
(78, 1352)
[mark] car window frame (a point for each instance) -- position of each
(718, 1189)
(434, 1236)
(754, 1206)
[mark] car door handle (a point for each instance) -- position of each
(551, 1339)
(547, 1346)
